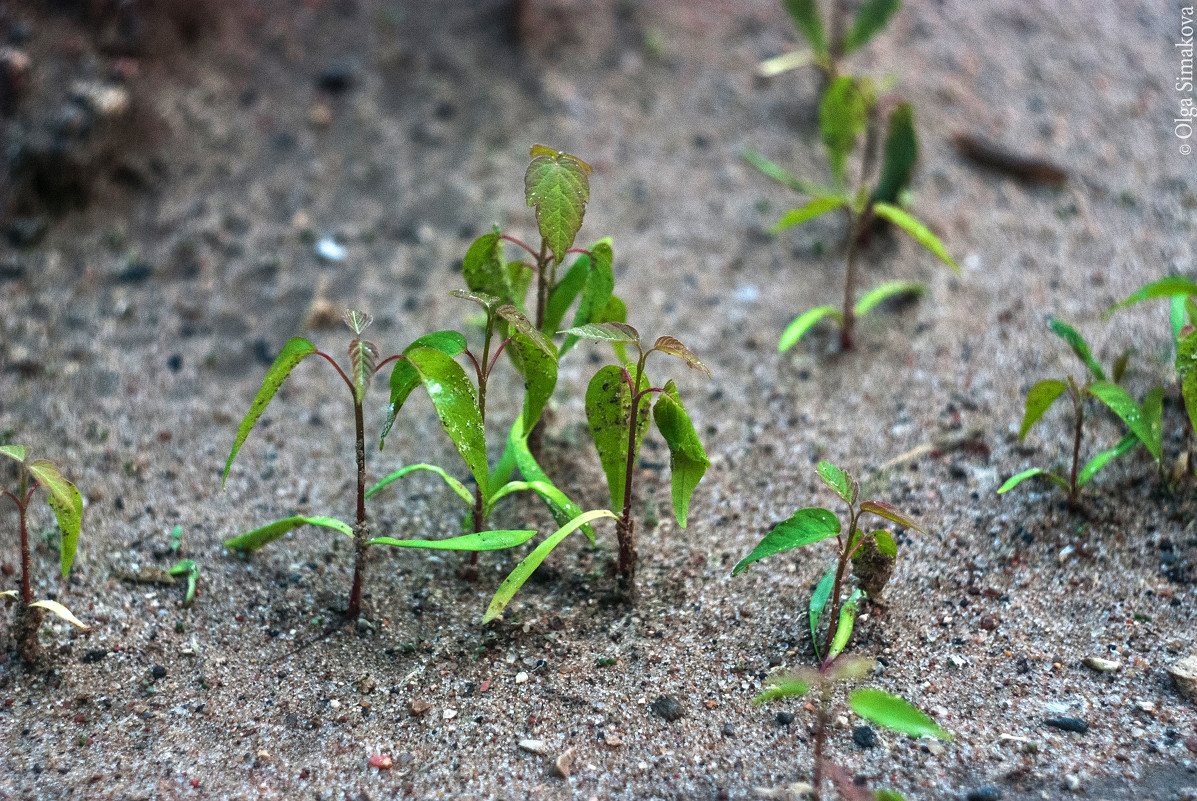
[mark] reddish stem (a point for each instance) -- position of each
(341, 372)
(387, 361)
(518, 242)
(360, 531)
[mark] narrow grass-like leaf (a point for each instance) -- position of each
(840, 482)
(842, 116)
(525, 568)
(189, 568)
(1186, 370)
(818, 602)
(781, 175)
(558, 186)
(805, 527)
(871, 18)
(687, 459)
(674, 347)
(606, 332)
(596, 291)
(803, 323)
(566, 291)
(1078, 344)
(453, 483)
(1171, 286)
(456, 405)
(295, 351)
(921, 233)
(890, 289)
(1039, 399)
(404, 378)
(17, 452)
(67, 504)
(805, 14)
(1018, 478)
(484, 271)
(783, 688)
(894, 713)
(889, 512)
(1100, 460)
(517, 454)
(481, 541)
(813, 208)
(1123, 405)
(253, 540)
(847, 622)
(899, 156)
(539, 358)
(609, 413)
(61, 611)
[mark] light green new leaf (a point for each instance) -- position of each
(871, 18)
(609, 413)
(1176, 314)
(805, 527)
(890, 289)
(1040, 397)
(687, 459)
(840, 482)
(921, 233)
(843, 114)
(517, 455)
(1018, 478)
(783, 688)
(295, 351)
(899, 156)
(885, 542)
(818, 602)
(453, 483)
(847, 622)
(1186, 370)
(484, 270)
(889, 512)
(1165, 287)
(559, 187)
(780, 174)
(1078, 344)
(813, 208)
(1123, 405)
(17, 452)
(456, 405)
(539, 358)
(805, 14)
(253, 540)
(894, 713)
(803, 323)
(1101, 459)
(606, 332)
(67, 504)
(524, 569)
(61, 611)
(363, 359)
(481, 541)
(189, 568)
(596, 291)
(404, 378)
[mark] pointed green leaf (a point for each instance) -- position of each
(674, 347)
(894, 713)
(1018, 478)
(1039, 399)
(842, 117)
(566, 291)
(1186, 362)
(189, 568)
(521, 276)
(1164, 288)
(813, 208)
(558, 186)
(871, 18)
(404, 378)
(517, 455)
(456, 405)
(484, 271)
(453, 483)
(67, 504)
(539, 357)
(1123, 405)
(606, 332)
(818, 602)
(253, 540)
(885, 543)
(921, 233)
(899, 156)
(783, 687)
(781, 175)
(609, 412)
(803, 323)
(61, 611)
(805, 527)
(687, 459)
(805, 14)
(596, 291)
(847, 621)
(887, 290)
(889, 512)
(1078, 344)
(363, 359)
(295, 351)
(524, 569)
(1100, 460)
(483, 299)
(17, 452)
(840, 482)
(481, 541)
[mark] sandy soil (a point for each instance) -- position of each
(134, 335)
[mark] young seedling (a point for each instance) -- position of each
(829, 47)
(419, 361)
(617, 405)
(67, 504)
(850, 108)
(874, 554)
(1143, 421)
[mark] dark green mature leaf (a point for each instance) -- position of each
(812, 209)
(606, 332)
(453, 483)
(456, 405)
(921, 233)
(1165, 287)
(847, 622)
(609, 412)
(525, 568)
(1186, 370)
(404, 378)
(890, 289)
(1123, 405)
(818, 602)
(674, 347)
(295, 351)
(780, 174)
(803, 323)
(687, 459)
(17, 452)
(889, 512)
(842, 116)
(517, 455)
(189, 568)
(894, 713)
(871, 18)
(596, 291)
(805, 527)
(539, 358)
(253, 540)
(67, 504)
(1040, 397)
(481, 541)
(840, 482)
(899, 156)
(784, 687)
(1100, 460)
(805, 14)
(483, 268)
(564, 294)
(1018, 478)
(558, 185)
(1078, 344)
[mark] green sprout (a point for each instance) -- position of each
(830, 43)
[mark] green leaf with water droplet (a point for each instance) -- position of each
(899, 156)
(920, 232)
(687, 459)
(596, 291)
(1078, 344)
(840, 482)
(805, 14)
(804, 527)
(842, 117)
(894, 713)
(558, 186)
(1039, 399)
(1123, 405)
(609, 413)
(253, 540)
(803, 323)
(871, 18)
(456, 404)
(404, 378)
(67, 504)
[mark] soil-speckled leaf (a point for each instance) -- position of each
(894, 713)
(805, 14)
(596, 291)
(609, 413)
(253, 540)
(61, 611)
(840, 482)
(404, 378)
(456, 403)
(17, 452)
(818, 602)
(67, 504)
(539, 358)
(890, 289)
(558, 185)
(871, 18)
(482, 541)
(687, 459)
(842, 116)
(889, 512)
(295, 351)
(453, 483)
(189, 568)
(525, 568)
(900, 154)
(783, 687)
(812, 209)
(1040, 397)
(805, 527)
(1078, 344)
(483, 268)
(803, 323)
(1186, 370)
(1100, 460)
(606, 332)
(847, 622)
(921, 233)
(1165, 287)
(1018, 478)
(1123, 405)
(674, 347)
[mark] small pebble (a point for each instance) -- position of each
(1068, 724)
(784, 718)
(158, 672)
(1072, 782)
(667, 707)
(864, 736)
(381, 761)
(987, 792)
(564, 763)
(727, 730)
(419, 707)
(534, 747)
(335, 704)
(449, 714)
(521, 678)
(611, 741)
(1101, 665)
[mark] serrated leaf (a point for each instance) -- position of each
(803, 323)
(674, 347)
(921, 233)
(894, 713)
(61, 611)
(842, 117)
(783, 688)
(596, 290)
(805, 14)
(518, 456)
(404, 378)
(781, 175)
(1078, 344)
(812, 209)
(871, 18)
(484, 271)
(558, 186)
(1103, 458)
(889, 512)
(189, 568)
(687, 459)
(67, 505)
(606, 332)
(805, 527)
(296, 350)
(1186, 362)
(1039, 399)
(253, 540)
(357, 321)
(539, 358)
(480, 541)
(818, 602)
(890, 289)
(17, 452)
(456, 403)
(1018, 478)
(885, 543)
(840, 482)
(609, 413)
(899, 156)
(1165, 287)
(363, 358)
(516, 578)
(1123, 405)
(565, 293)
(847, 621)
(453, 483)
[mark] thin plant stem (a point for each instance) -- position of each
(820, 739)
(542, 282)
(626, 529)
(845, 556)
(850, 283)
(1079, 405)
(360, 531)
(26, 557)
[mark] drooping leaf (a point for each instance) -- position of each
(453, 483)
(566, 291)
(1123, 405)
(674, 347)
(812, 209)
(687, 459)
(558, 186)
(1186, 371)
(521, 276)
(783, 687)
(481, 541)
(609, 413)
(61, 611)
(818, 602)
(1078, 344)
(484, 271)
(805, 14)
(1100, 460)
(16, 452)
(596, 291)
(253, 540)
(539, 357)
(847, 621)
(840, 482)
(871, 18)
(1018, 478)
(899, 156)
(295, 351)
(483, 299)
(67, 504)
(606, 332)
(805, 527)
(456, 403)
(189, 568)
(890, 289)
(518, 456)
(780, 174)
(516, 578)
(921, 233)
(1171, 286)
(803, 323)
(889, 512)
(842, 117)
(1039, 399)
(894, 713)
(404, 378)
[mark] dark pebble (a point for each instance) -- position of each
(784, 718)
(668, 708)
(864, 736)
(175, 362)
(94, 655)
(1068, 724)
(336, 77)
(135, 274)
(727, 730)
(158, 672)
(986, 793)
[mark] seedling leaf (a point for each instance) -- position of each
(596, 291)
(805, 14)
(525, 568)
(842, 116)
(295, 351)
(1039, 399)
(1123, 405)
(17, 452)
(889, 512)
(558, 185)
(687, 459)
(894, 713)
(539, 358)
(483, 299)
(67, 504)
(900, 154)
(61, 611)
(525, 327)
(563, 295)
(1101, 459)
(813, 208)
(1018, 478)
(562, 508)
(805, 527)
(456, 405)
(818, 602)
(608, 410)
(253, 540)
(803, 323)
(921, 233)
(885, 543)
(606, 332)
(481, 541)
(617, 312)
(674, 347)
(453, 483)
(1078, 344)
(1118, 369)
(191, 569)
(483, 268)
(404, 378)
(1165, 287)
(784, 687)
(840, 482)
(890, 289)
(847, 622)
(780, 174)
(1186, 361)
(871, 18)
